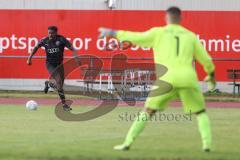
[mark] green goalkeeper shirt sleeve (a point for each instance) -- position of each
(203, 57)
(142, 39)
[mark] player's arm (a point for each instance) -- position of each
(202, 56)
(71, 48)
(35, 49)
(75, 54)
(142, 39)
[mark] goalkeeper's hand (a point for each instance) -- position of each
(211, 82)
(106, 32)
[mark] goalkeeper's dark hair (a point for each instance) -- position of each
(53, 28)
(174, 11)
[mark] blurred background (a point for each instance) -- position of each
(25, 22)
(41, 135)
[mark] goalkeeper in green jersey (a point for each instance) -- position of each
(174, 47)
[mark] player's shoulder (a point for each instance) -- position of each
(189, 32)
(44, 40)
(159, 28)
(61, 37)
(155, 30)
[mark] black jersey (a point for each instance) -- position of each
(54, 48)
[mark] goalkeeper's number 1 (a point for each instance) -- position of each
(178, 41)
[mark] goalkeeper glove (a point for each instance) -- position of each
(210, 80)
(107, 32)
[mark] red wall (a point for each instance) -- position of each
(84, 24)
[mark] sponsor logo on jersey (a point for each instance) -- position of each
(53, 50)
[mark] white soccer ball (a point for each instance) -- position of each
(31, 105)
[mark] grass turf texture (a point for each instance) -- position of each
(40, 135)
(217, 97)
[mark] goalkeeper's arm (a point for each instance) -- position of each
(205, 60)
(142, 39)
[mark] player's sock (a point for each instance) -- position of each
(52, 85)
(61, 95)
(46, 88)
(136, 128)
(205, 130)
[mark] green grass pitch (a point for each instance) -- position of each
(39, 135)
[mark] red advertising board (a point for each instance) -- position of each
(21, 29)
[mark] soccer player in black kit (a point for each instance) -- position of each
(54, 45)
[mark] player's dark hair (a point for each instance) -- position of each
(174, 11)
(53, 28)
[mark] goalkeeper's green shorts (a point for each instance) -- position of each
(192, 99)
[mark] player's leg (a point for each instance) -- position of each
(59, 78)
(136, 128)
(205, 130)
(153, 103)
(193, 102)
(56, 82)
(52, 70)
